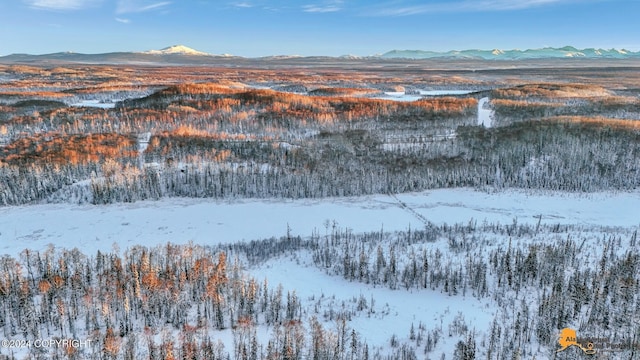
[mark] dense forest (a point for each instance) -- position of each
(223, 140)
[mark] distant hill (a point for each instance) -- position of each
(176, 54)
(496, 54)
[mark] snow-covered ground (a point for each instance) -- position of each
(208, 221)
(391, 313)
(386, 313)
(485, 113)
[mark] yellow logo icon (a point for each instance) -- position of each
(568, 338)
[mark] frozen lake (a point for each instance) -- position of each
(95, 103)
(403, 96)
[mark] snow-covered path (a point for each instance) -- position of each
(143, 143)
(208, 221)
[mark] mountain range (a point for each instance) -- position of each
(496, 54)
(180, 54)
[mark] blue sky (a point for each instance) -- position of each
(314, 27)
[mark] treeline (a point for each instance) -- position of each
(508, 111)
(551, 91)
(69, 150)
(563, 154)
(536, 101)
(556, 155)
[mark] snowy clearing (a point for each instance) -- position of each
(392, 312)
(207, 221)
(485, 114)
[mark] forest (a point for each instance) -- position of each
(76, 135)
(177, 301)
(227, 139)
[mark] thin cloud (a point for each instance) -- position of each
(124, 21)
(244, 5)
(332, 6)
(136, 6)
(503, 5)
(61, 4)
(467, 6)
(320, 9)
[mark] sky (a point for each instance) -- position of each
(255, 28)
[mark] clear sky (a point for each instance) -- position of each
(314, 27)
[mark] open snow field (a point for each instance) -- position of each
(207, 221)
(392, 312)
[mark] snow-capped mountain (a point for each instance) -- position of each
(498, 54)
(176, 50)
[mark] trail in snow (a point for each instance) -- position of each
(143, 143)
(405, 207)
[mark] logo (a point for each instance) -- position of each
(567, 338)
